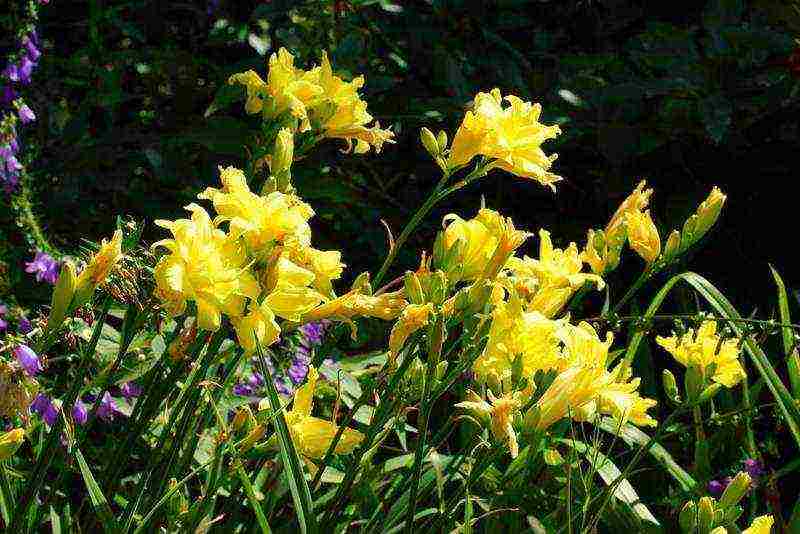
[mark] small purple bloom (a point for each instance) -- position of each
(13, 164)
(3, 309)
(283, 387)
(25, 70)
(79, 412)
(242, 390)
(50, 414)
(44, 266)
(754, 468)
(40, 404)
(313, 332)
(25, 325)
(256, 380)
(26, 114)
(715, 488)
(11, 72)
(30, 47)
(3, 325)
(298, 371)
(7, 95)
(108, 408)
(28, 360)
(130, 390)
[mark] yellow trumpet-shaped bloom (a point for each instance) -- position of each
(413, 317)
(619, 397)
(311, 435)
(10, 442)
(515, 333)
(206, 266)
(582, 346)
(636, 201)
(570, 390)
(643, 235)
(343, 115)
(290, 297)
(510, 136)
(476, 243)
(498, 413)
(704, 348)
(99, 267)
(546, 284)
(760, 525)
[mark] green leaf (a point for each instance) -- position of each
(789, 348)
(304, 507)
(99, 501)
(609, 472)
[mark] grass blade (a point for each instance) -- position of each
(293, 468)
(789, 348)
(99, 501)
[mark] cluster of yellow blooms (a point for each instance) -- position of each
(316, 98)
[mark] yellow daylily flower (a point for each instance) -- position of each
(582, 346)
(99, 267)
(643, 235)
(515, 333)
(311, 435)
(705, 349)
(344, 114)
(277, 219)
(510, 136)
(289, 296)
(570, 390)
(359, 303)
(498, 413)
(619, 398)
(413, 317)
(10, 442)
(598, 254)
(546, 284)
(206, 266)
(760, 525)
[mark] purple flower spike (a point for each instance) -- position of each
(50, 414)
(28, 360)
(44, 266)
(25, 325)
(26, 114)
(108, 408)
(242, 390)
(79, 413)
(130, 390)
(30, 47)
(40, 404)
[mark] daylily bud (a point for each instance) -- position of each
(63, 294)
(413, 288)
(708, 211)
(282, 152)
(688, 517)
(97, 270)
(673, 246)
(735, 490)
(437, 287)
(441, 140)
(252, 437)
(10, 442)
(688, 235)
(643, 235)
(732, 514)
(429, 142)
(670, 386)
(705, 514)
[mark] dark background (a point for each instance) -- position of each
(687, 95)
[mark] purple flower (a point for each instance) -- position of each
(28, 360)
(242, 390)
(3, 309)
(256, 380)
(40, 404)
(13, 164)
(130, 390)
(24, 325)
(79, 412)
(715, 488)
(30, 47)
(3, 325)
(283, 387)
(314, 332)
(26, 114)
(11, 72)
(7, 95)
(298, 371)
(25, 70)
(44, 266)
(754, 468)
(50, 414)
(108, 408)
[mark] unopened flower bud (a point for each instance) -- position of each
(643, 235)
(735, 491)
(708, 211)
(429, 142)
(670, 386)
(10, 442)
(687, 519)
(441, 139)
(437, 287)
(689, 235)
(282, 152)
(705, 514)
(673, 246)
(62, 296)
(413, 288)
(709, 393)
(252, 437)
